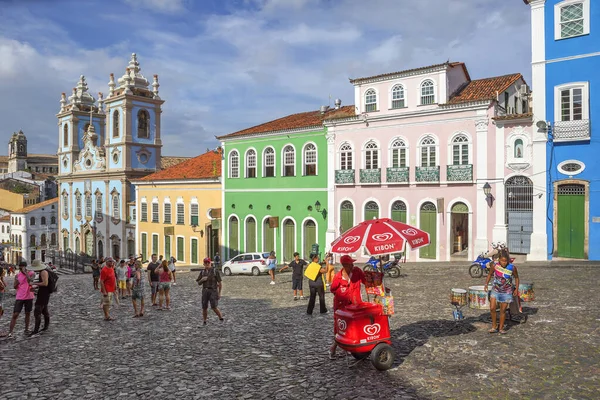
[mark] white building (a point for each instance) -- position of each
(33, 231)
(4, 236)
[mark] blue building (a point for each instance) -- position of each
(566, 92)
(103, 145)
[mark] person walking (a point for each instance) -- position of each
(153, 279)
(503, 288)
(317, 286)
(217, 261)
(210, 280)
(172, 268)
(122, 278)
(23, 299)
(108, 286)
(271, 265)
(42, 299)
(297, 265)
(96, 274)
(137, 286)
(164, 285)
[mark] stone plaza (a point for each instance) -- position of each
(269, 348)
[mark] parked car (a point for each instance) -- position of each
(246, 263)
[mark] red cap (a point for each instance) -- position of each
(207, 260)
(347, 260)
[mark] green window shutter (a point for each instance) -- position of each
(195, 220)
(269, 235)
(289, 241)
(399, 211)
(180, 249)
(167, 247)
(233, 237)
(154, 244)
(346, 216)
(194, 251)
(310, 238)
(144, 250)
(428, 216)
(250, 235)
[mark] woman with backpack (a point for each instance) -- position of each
(45, 285)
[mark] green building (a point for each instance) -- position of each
(275, 186)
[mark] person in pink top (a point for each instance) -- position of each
(23, 298)
(164, 284)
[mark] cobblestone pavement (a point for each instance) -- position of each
(268, 348)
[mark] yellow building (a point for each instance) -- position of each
(177, 210)
(10, 201)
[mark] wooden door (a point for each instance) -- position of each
(428, 223)
(571, 221)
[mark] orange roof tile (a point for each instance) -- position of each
(406, 71)
(296, 121)
(204, 166)
(5, 218)
(483, 89)
(36, 206)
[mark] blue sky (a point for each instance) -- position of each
(225, 65)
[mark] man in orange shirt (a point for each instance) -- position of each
(108, 285)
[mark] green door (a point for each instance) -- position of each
(289, 240)
(144, 244)
(428, 217)
(233, 237)
(346, 216)
(250, 235)
(399, 211)
(269, 237)
(310, 237)
(167, 247)
(154, 244)
(194, 251)
(371, 211)
(180, 249)
(571, 221)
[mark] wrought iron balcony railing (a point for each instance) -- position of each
(344, 177)
(428, 174)
(459, 173)
(370, 175)
(397, 175)
(572, 130)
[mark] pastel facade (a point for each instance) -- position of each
(566, 60)
(420, 150)
(104, 145)
(177, 211)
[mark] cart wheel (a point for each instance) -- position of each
(360, 356)
(383, 356)
(475, 271)
(394, 272)
(368, 268)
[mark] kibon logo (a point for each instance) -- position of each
(351, 239)
(382, 237)
(372, 329)
(341, 325)
(410, 232)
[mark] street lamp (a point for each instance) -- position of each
(318, 209)
(487, 190)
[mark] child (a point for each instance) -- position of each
(503, 288)
(121, 273)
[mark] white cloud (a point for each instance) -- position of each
(164, 6)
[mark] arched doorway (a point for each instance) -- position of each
(289, 240)
(346, 216)
(116, 250)
(459, 229)
(250, 235)
(428, 223)
(233, 237)
(371, 210)
(309, 237)
(100, 249)
(268, 236)
(77, 246)
(570, 221)
(399, 211)
(519, 213)
(89, 243)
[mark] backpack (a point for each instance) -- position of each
(52, 280)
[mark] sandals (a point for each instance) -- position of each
(503, 332)
(493, 330)
(109, 319)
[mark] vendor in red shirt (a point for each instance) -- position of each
(346, 290)
(108, 285)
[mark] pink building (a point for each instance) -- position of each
(421, 149)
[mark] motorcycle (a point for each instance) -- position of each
(480, 266)
(391, 267)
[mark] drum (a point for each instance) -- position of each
(458, 297)
(479, 298)
(526, 292)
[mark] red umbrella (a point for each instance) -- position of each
(380, 236)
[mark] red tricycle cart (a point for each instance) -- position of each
(363, 330)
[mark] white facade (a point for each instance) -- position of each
(33, 231)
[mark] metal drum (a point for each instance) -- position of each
(526, 292)
(458, 297)
(479, 298)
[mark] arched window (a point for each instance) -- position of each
(65, 204)
(460, 150)
(32, 221)
(289, 161)
(99, 206)
(519, 148)
(88, 205)
(116, 209)
(269, 162)
(43, 239)
(65, 135)
(52, 220)
(346, 216)
(428, 154)
(32, 241)
(251, 164)
(234, 164)
(310, 160)
(43, 221)
(398, 97)
(143, 119)
(167, 212)
(346, 161)
(371, 210)
(116, 132)
(370, 100)
(427, 92)
(53, 239)
(398, 150)
(371, 155)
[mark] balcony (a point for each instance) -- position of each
(428, 174)
(370, 176)
(397, 175)
(344, 177)
(571, 130)
(459, 173)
